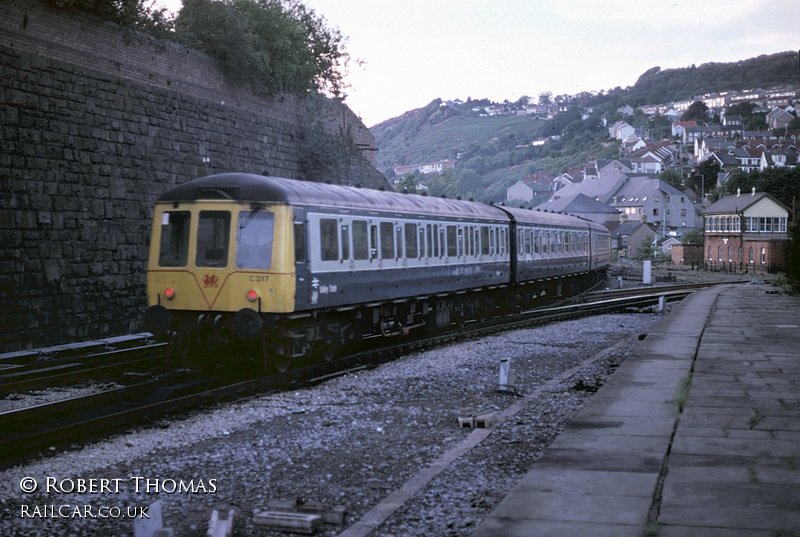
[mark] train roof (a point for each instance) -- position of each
(246, 187)
(554, 219)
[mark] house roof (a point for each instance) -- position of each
(628, 228)
(579, 204)
(738, 203)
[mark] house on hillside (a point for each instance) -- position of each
(779, 119)
(656, 202)
(749, 230)
(519, 191)
(621, 131)
(627, 238)
(585, 207)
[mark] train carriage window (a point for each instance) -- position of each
(213, 238)
(429, 241)
(411, 241)
(373, 242)
(345, 242)
(527, 241)
(254, 241)
(360, 240)
(399, 237)
(329, 239)
(567, 241)
(452, 242)
(484, 240)
(537, 241)
(299, 242)
(387, 240)
(492, 241)
(437, 239)
(174, 246)
(460, 242)
(441, 241)
(471, 237)
(545, 241)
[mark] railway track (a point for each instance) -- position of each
(27, 431)
(112, 365)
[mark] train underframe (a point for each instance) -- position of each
(278, 342)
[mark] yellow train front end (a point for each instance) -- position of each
(219, 269)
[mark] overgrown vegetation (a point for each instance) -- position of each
(272, 46)
(139, 14)
(682, 392)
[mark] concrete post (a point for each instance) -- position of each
(647, 272)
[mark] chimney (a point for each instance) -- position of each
(738, 192)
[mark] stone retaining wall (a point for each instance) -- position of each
(95, 122)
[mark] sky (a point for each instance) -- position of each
(406, 53)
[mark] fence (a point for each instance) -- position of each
(737, 268)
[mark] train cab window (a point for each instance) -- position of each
(387, 240)
(411, 241)
(360, 240)
(174, 246)
(329, 239)
(254, 240)
(213, 238)
(452, 242)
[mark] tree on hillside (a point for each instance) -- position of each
(672, 177)
(783, 183)
(697, 111)
(703, 178)
(271, 46)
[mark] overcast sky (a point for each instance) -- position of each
(414, 51)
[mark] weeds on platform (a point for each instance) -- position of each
(754, 418)
(682, 392)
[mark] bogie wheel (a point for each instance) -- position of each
(326, 349)
(271, 356)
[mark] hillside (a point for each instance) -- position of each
(498, 148)
(438, 132)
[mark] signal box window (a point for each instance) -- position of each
(254, 247)
(174, 247)
(213, 237)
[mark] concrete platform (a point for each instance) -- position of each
(728, 464)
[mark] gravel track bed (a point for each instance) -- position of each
(350, 441)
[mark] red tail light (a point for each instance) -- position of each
(252, 295)
(169, 292)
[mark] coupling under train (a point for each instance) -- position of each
(294, 269)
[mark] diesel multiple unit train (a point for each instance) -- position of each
(291, 269)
